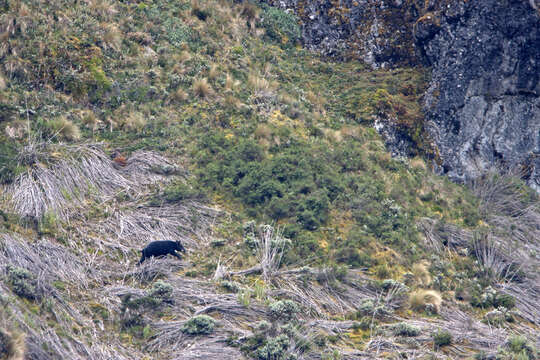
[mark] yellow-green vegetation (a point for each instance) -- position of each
(267, 132)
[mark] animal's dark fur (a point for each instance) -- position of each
(162, 248)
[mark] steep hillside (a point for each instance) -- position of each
(482, 101)
(207, 122)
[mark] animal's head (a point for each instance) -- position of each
(180, 247)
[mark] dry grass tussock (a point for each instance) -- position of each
(202, 88)
(422, 277)
(321, 292)
(50, 265)
(61, 178)
(467, 333)
(12, 345)
(425, 300)
(62, 175)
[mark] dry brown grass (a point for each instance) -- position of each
(422, 277)
(112, 36)
(89, 119)
(3, 83)
(232, 101)
(179, 95)
(202, 88)
(65, 128)
(418, 163)
(286, 99)
(134, 121)
(263, 131)
(184, 56)
(213, 73)
(13, 345)
(421, 300)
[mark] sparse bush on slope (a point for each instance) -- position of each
(199, 325)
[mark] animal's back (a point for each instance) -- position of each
(160, 246)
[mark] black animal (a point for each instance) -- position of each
(162, 248)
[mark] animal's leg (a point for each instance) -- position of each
(142, 258)
(176, 254)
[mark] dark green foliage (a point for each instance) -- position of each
(280, 26)
(441, 338)
(175, 192)
(9, 168)
(161, 290)
(283, 310)
(159, 294)
(275, 348)
(199, 325)
(520, 345)
(292, 184)
(489, 297)
(22, 282)
(404, 329)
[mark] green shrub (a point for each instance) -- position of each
(231, 286)
(48, 224)
(161, 290)
(9, 168)
(280, 26)
(199, 325)
(520, 346)
(504, 300)
(178, 191)
(275, 348)
(492, 298)
(22, 282)
(441, 338)
(283, 310)
(404, 329)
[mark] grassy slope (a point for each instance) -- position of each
(269, 133)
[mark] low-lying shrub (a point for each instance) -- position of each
(199, 325)
(23, 282)
(283, 310)
(441, 338)
(404, 329)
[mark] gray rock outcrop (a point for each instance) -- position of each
(482, 105)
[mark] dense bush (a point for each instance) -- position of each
(280, 26)
(404, 329)
(520, 348)
(492, 298)
(283, 310)
(442, 338)
(22, 282)
(161, 290)
(291, 184)
(275, 349)
(9, 168)
(199, 325)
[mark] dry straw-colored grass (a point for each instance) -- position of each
(60, 175)
(179, 95)
(64, 128)
(202, 88)
(422, 277)
(13, 345)
(421, 300)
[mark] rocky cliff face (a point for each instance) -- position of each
(482, 106)
(375, 31)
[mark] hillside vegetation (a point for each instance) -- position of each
(124, 122)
